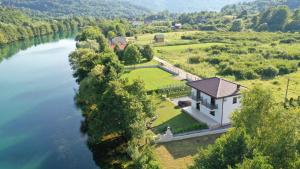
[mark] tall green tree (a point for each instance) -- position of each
(132, 55)
(228, 150)
(279, 18)
(90, 32)
(82, 62)
(237, 25)
(147, 52)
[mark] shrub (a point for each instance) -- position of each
(214, 61)
(288, 41)
(251, 50)
(269, 72)
(194, 60)
(216, 52)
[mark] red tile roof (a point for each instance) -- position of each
(216, 87)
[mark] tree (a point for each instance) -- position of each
(148, 52)
(258, 162)
(132, 54)
(111, 34)
(279, 18)
(103, 44)
(269, 72)
(228, 150)
(90, 32)
(256, 103)
(82, 62)
(237, 26)
(88, 44)
(120, 30)
(126, 106)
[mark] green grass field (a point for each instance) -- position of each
(180, 154)
(170, 38)
(154, 78)
(170, 116)
(240, 53)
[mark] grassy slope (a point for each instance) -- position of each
(154, 78)
(180, 154)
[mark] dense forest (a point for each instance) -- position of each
(179, 6)
(16, 25)
(259, 6)
(98, 8)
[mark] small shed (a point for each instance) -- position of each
(159, 38)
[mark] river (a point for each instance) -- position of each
(39, 122)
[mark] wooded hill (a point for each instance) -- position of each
(16, 25)
(97, 8)
(259, 6)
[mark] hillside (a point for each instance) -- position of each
(99, 8)
(179, 6)
(260, 5)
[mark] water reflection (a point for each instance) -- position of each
(9, 50)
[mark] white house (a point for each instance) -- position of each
(215, 98)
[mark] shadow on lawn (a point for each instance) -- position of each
(188, 147)
(179, 124)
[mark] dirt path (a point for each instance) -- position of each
(182, 75)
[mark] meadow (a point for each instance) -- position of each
(154, 78)
(250, 58)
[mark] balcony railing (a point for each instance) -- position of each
(204, 102)
(208, 105)
(196, 98)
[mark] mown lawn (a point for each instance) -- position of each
(180, 154)
(168, 115)
(154, 78)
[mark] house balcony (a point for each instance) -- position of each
(204, 102)
(196, 98)
(208, 105)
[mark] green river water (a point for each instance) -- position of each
(39, 122)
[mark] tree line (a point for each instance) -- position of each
(16, 25)
(112, 106)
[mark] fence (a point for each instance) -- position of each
(169, 136)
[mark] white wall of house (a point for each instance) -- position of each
(207, 111)
(227, 108)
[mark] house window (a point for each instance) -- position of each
(213, 101)
(213, 113)
(234, 100)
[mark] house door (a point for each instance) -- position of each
(198, 106)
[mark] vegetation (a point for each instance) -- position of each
(168, 115)
(261, 136)
(154, 78)
(180, 154)
(105, 96)
(16, 25)
(97, 8)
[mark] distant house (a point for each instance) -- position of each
(159, 38)
(137, 23)
(215, 98)
(121, 41)
(177, 26)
